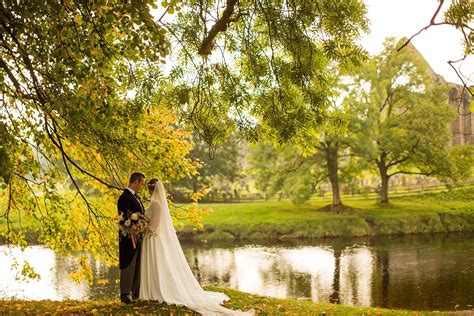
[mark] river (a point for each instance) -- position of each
(418, 272)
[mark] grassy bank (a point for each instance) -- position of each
(425, 213)
(436, 212)
(239, 300)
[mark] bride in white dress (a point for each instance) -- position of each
(165, 273)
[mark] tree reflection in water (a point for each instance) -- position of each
(411, 272)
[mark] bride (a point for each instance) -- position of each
(165, 273)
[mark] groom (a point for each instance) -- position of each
(129, 257)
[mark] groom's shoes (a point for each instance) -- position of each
(135, 296)
(125, 299)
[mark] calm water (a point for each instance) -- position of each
(423, 272)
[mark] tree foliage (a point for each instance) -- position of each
(70, 135)
(298, 170)
(284, 171)
(86, 98)
(408, 115)
(268, 73)
(218, 164)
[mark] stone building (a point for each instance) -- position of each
(462, 126)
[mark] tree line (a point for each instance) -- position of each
(390, 118)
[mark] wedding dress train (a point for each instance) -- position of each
(165, 273)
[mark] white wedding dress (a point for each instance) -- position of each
(165, 273)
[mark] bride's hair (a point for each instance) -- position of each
(151, 184)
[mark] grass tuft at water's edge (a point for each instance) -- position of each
(238, 301)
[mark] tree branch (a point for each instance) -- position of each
(412, 172)
(432, 22)
(451, 62)
(58, 144)
(396, 162)
(11, 76)
(220, 26)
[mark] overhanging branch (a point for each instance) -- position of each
(466, 87)
(461, 27)
(220, 26)
(432, 22)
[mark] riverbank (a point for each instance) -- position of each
(238, 300)
(436, 212)
(441, 212)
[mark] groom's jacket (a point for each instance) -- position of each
(127, 205)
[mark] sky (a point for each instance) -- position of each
(404, 18)
(438, 44)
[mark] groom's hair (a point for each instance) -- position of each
(136, 176)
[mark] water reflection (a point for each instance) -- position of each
(54, 282)
(318, 273)
(356, 277)
(51, 285)
(314, 263)
(412, 272)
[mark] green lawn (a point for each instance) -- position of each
(424, 213)
(435, 212)
(239, 300)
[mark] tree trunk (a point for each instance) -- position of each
(332, 157)
(384, 177)
(384, 266)
(336, 284)
(384, 193)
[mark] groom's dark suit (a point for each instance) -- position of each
(129, 258)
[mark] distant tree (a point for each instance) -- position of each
(283, 170)
(407, 114)
(219, 163)
(297, 170)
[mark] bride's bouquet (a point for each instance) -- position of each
(134, 225)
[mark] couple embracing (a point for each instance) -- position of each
(152, 264)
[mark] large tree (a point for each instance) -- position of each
(86, 98)
(70, 134)
(407, 113)
(298, 169)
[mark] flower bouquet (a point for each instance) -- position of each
(132, 226)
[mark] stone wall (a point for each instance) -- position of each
(462, 126)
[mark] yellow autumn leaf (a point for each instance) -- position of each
(102, 281)
(78, 19)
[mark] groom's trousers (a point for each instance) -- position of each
(130, 276)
